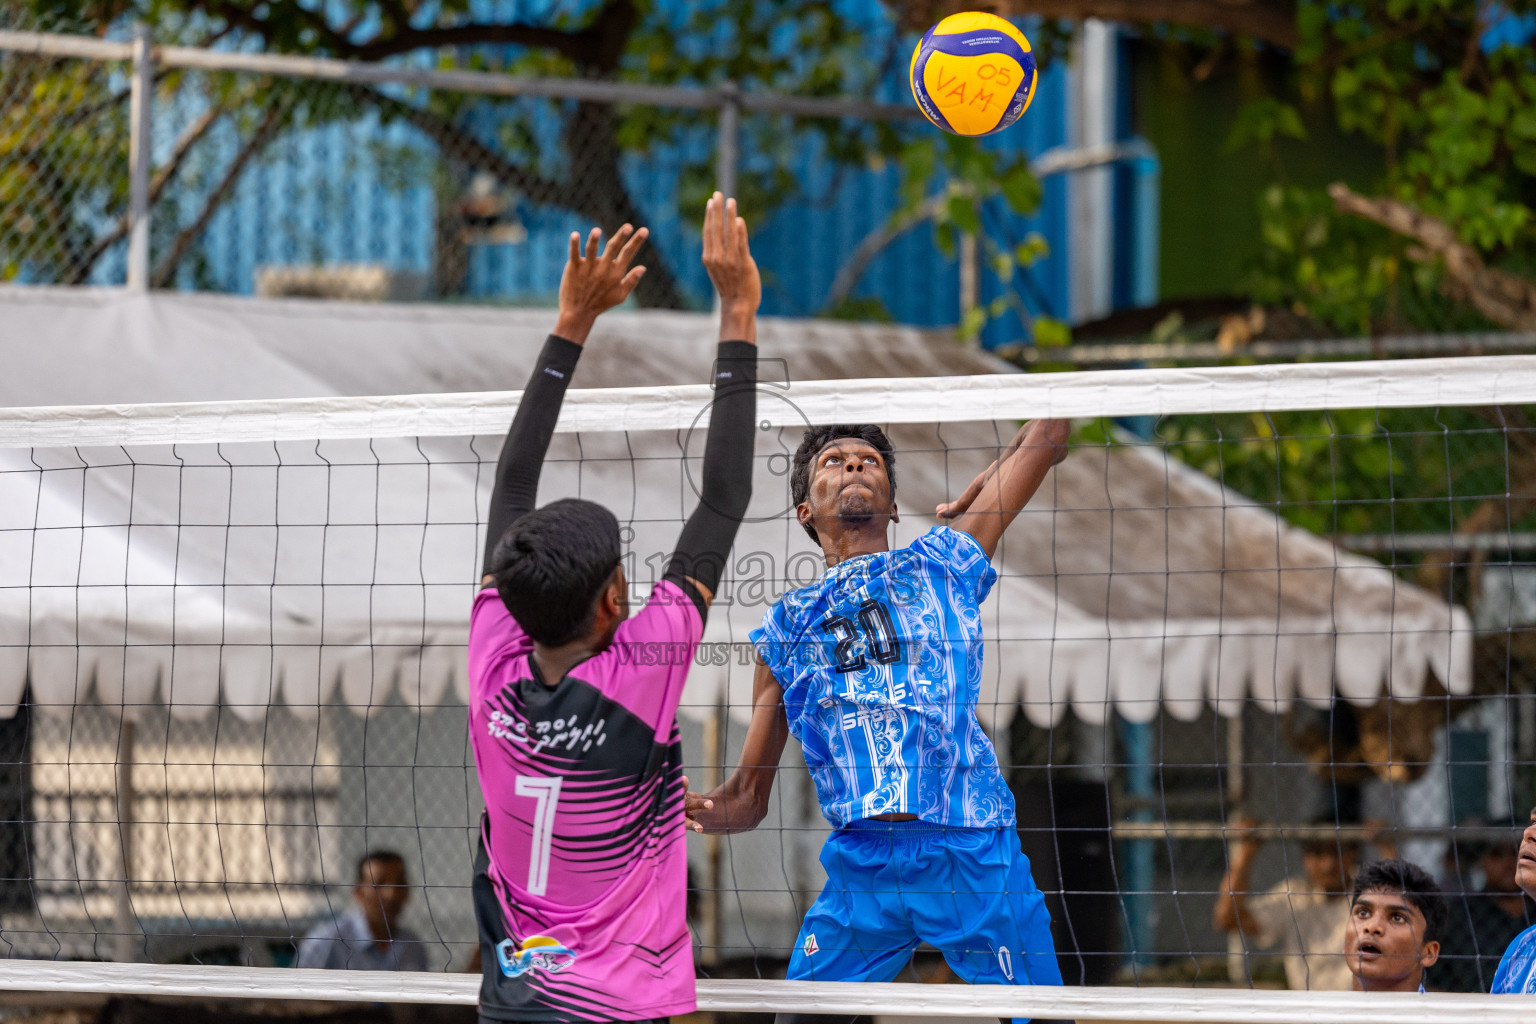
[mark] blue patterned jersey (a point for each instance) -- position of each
(1517, 970)
(880, 661)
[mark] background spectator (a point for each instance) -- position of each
(368, 936)
(1302, 918)
(1484, 918)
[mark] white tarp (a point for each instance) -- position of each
(252, 571)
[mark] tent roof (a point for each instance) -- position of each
(1133, 581)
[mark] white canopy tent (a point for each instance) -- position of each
(296, 570)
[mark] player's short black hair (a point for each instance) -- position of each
(1416, 885)
(376, 857)
(551, 565)
(817, 438)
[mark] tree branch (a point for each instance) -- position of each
(241, 14)
(258, 141)
(1504, 298)
(584, 46)
(598, 191)
(858, 261)
(578, 46)
(1494, 514)
(398, 15)
(163, 177)
(1273, 21)
(594, 188)
(54, 196)
(459, 145)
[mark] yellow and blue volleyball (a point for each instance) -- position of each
(973, 74)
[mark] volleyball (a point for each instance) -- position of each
(973, 74)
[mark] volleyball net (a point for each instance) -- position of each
(1258, 611)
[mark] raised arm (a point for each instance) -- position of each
(726, 479)
(995, 498)
(1231, 911)
(591, 285)
(740, 803)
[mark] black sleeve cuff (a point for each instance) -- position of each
(559, 355)
(735, 363)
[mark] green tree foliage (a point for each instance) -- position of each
(1385, 472)
(1453, 111)
(567, 154)
(1352, 471)
(58, 126)
(1445, 239)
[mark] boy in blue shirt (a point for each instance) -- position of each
(876, 668)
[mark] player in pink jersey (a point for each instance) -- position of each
(581, 881)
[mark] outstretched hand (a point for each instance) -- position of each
(1247, 836)
(593, 284)
(693, 803)
(1039, 432)
(728, 258)
(958, 507)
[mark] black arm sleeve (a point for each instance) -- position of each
(522, 454)
(725, 486)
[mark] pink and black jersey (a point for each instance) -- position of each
(583, 858)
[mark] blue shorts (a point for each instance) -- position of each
(891, 885)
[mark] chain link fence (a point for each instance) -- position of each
(64, 169)
(279, 176)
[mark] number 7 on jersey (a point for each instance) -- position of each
(546, 792)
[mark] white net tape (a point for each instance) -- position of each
(1423, 383)
(846, 999)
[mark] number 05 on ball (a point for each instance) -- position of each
(973, 74)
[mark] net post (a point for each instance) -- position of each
(1147, 173)
(970, 285)
(728, 131)
(727, 145)
(1139, 854)
(125, 926)
(140, 104)
(1237, 959)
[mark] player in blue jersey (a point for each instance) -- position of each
(1517, 970)
(875, 669)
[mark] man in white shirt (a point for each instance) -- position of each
(368, 936)
(1302, 919)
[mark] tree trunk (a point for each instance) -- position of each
(450, 253)
(594, 187)
(1507, 299)
(274, 119)
(1494, 514)
(599, 192)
